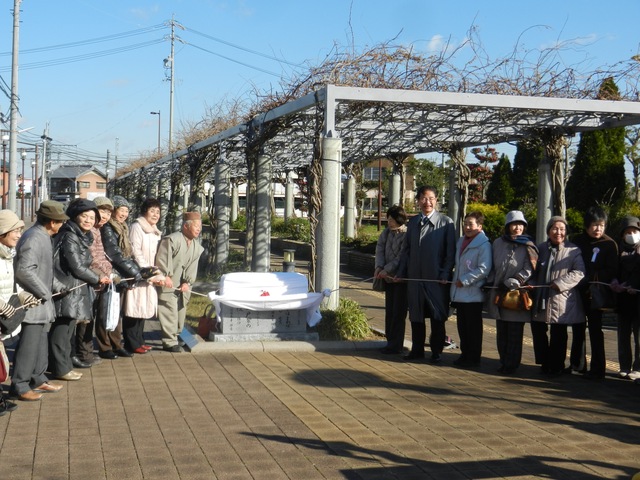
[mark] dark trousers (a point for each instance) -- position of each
(106, 340)
(84, 341)
(133, 332)
(550, 351)
(469, 318)
(596, 340)
(628, 355)
(60, 338)
(396, 304)
(509, 342)
(31, 358)
(436, 338)
(578, 356)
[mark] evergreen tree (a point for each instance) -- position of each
(598, 175)
(500, 191)
(524, 177)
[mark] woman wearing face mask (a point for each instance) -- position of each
(626, 285)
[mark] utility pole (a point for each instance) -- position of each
(13, 119)
(46, 154)
(169, 63)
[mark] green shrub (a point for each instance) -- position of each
(575, 220)
(297, 229)
(240, 223)
(348, 322)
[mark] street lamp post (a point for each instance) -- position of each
(33, 188)
(157, 113)
(23, 155)
(5, 139)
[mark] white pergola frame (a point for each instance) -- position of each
(360, 124)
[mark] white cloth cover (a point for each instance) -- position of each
(258, 291)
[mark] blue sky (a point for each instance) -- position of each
(90, 103)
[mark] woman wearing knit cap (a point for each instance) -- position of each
(557, 304)
(142, 300)
(71, 267)
(115, 239)
(515, 256)
(626, 285)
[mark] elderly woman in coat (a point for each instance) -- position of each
(142, 300)
(395, 293)
(557, 304)
(71, 267)
(515, 256)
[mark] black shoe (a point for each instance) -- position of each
(409, 357)
(6, 406)
(79, 363)
(108, 355)
(121, 352)
(435, 358)
(173, 348)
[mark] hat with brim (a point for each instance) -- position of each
(9, 221)
(52, 210)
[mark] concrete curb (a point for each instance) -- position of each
(284, 346)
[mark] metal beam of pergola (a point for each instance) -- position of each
(370, 123)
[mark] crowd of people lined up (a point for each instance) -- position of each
(552, 286)
(82, 277)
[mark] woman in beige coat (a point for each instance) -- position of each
(142, 300)
(557, 302)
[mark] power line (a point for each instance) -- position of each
(233, 60)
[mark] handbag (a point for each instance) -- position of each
(10, 324)
(514, 300)
(112, 300)
(208, 322)
(378, 284)
(600, 297)
(4, 364)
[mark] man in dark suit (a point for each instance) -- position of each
(428, 253)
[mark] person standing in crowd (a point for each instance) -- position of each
(395, 293)
(72, 262)
(557, 304)
(10, 231)
(177, 259)
(626, 285)
(515, 257)
(117, 246)
(428, 254)
(472, 266)
(109, 343)
(600, 256)
(34, 273)
(142, 300)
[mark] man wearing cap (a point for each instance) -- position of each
(34, 273)
(177, 259)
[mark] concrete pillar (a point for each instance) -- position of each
(545, 199)
(395, 196)
(235, 202)
(261, 261)
(328, 230)
(350, 207)
(288, 197)
(221, 205)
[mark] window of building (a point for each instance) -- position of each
(84, 185)
(101, 185)
(372, 174)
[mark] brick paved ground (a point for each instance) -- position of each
(304, 413)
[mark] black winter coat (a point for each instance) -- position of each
(71, 261)
(125, 266)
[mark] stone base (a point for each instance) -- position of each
(262, 337)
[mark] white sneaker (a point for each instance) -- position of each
(634, 375)
(623, 374)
